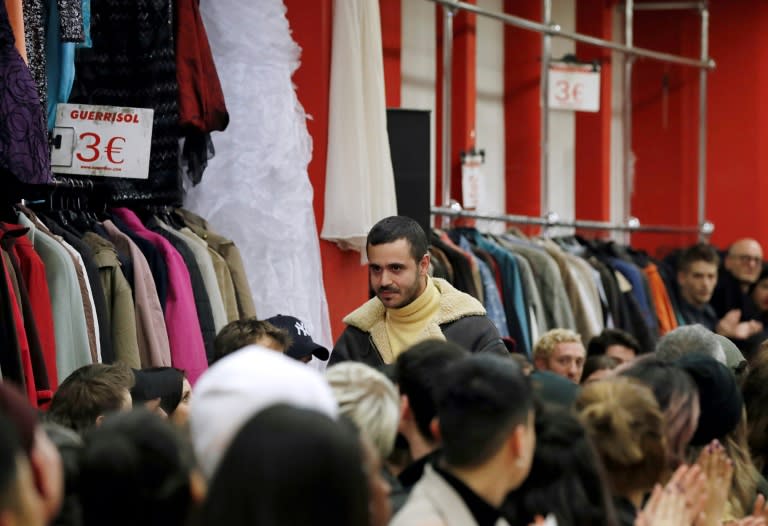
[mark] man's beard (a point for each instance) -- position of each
(407, 295)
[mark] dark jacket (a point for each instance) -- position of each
(460, 319)
(728, 296)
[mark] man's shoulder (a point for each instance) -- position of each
(366, 315)
(455, 304)
(726, 281)
(432, 503)
(704, 315)
(355, 344)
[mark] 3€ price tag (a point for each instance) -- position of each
(574, 87)
(102, 141)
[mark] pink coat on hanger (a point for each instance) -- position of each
(181, 321)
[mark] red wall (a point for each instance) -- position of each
(665, 121)
(391, 42)
(522, 135)
(346, 282)
(665, 127)
(738, 124)
(666, 188)
(311, 23)
(463, 96)
(593, 130)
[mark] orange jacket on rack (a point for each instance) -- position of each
(661, 302)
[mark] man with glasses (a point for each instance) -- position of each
(744, 261)
(741, 267)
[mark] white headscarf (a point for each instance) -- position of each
(242, 384)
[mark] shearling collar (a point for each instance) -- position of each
(454, 305)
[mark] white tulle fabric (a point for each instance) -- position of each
(256, 190)
(360, 184)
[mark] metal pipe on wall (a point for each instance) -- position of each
(704, 56)
(629, 161)
(448, 14)
(631, 53)
(630, 226)
(557, 31)
(702, 197)
(546, 53)
(668, 6)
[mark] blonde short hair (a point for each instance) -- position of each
(547, 342)
(369, 399)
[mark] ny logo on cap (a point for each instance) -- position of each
(300, 329)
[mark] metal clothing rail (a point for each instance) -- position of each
(669, 6)
(556, 31)
(552, 220)
(548, 30)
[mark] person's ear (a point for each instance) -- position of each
(424, 264)
(517, 446)
(406, 415)
(405, 408)
(99, 420)
(540, 363)
(45, 462)
(197, 486)
(434, 427)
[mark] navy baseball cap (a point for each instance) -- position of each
(302, 345)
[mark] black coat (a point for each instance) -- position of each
(461, 319)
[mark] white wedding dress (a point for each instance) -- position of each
(256, 190)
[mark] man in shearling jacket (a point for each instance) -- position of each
(410, 306)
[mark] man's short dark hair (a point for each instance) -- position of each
(392, 228)
(600, 343)
(416, 373)
(695, 253)
(480, 401)
(239, 333)
(90, 391)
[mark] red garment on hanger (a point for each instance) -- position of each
(26, 360)
(201, 100)
(33, 274)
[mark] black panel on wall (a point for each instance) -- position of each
(409, 146)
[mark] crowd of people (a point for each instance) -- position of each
(422, 417)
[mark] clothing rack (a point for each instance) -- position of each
(553, 220)
(548, 29)
(556, 31)
(115, 192)
(87, 194)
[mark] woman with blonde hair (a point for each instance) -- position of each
(623, 419)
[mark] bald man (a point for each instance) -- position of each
(741, 267)
(744, 261)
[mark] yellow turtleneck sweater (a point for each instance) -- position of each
(405, 326)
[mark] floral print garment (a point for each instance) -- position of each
(24, 150)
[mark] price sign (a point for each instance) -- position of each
(574, 87)
(102, 140)
(471, 181)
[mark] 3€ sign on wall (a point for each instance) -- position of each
(574, 87)
(102, 140)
